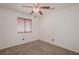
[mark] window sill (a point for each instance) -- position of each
(26, 32)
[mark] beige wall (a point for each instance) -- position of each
(8, 29)
(63, 26)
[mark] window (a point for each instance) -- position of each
(24, 25)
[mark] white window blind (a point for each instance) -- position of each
(24, 25)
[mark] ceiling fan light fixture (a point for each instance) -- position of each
(36, 9)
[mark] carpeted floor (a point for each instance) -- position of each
(36, 48)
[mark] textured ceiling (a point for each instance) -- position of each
(18, 6)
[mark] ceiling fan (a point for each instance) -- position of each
(37, 8)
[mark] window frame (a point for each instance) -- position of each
(25, 20)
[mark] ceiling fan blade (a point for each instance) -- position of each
(40, 12)
(27, 6)
(45, 7)
(52, 8)
(32, 12)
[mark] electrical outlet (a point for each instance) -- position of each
(23, 39)
(52, 39)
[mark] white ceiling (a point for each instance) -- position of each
(18, 6)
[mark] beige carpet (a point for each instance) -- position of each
(36, 48)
